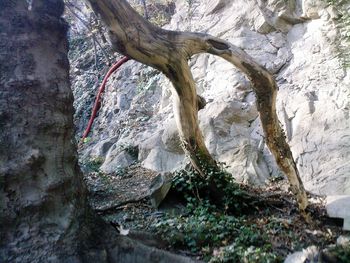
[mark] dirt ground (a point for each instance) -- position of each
(123, 200)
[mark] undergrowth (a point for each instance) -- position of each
(93, 164)
(239, 227)
(216, 236)
(216, 231)
(198, 189)
(341, 253)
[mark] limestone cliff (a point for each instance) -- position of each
(297, 40)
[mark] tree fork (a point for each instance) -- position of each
(168, 51)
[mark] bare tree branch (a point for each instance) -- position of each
(169, 51)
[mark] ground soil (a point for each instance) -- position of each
(123, 200)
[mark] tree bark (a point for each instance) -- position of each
(169, 51)
(44, 215)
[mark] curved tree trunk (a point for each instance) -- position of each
(44, 215)
(169, 51)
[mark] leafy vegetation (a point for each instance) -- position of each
(217, 236)
(342, 22)
(93, 165)
(340, 253)
(159, 12)
(206, 225)
(132, 150)
(197, 189)
(240, 229)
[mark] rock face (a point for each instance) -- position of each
(294, 39)
(339, 207)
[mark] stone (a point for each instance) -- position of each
(343, 241)
(295, 40)
(170, 137)
(216, 6)
(161, 160)
(262, 26)
(112, 164)
(159, 188)
(339, 207)
(312, 8)
(102, 147)
(309, 254)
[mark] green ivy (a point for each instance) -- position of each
(340, 253)
(198, 189)
(204, 229)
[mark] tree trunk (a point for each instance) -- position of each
(169, 51)
(44, 213)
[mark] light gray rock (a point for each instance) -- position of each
(309, 254)
(113, 163)
(159, 188)
(170, 137)
(296, 40)
(312, 8)
(339, 207)
(102, 147)
(227, 134)
(161, 160)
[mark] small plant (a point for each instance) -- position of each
(340, 253)
(120, 171)
(94, 164)
(202, 226)
(133, 151)
(217, 236)
(240, 253)
(196, 189)
(148, 80)
(206, 224)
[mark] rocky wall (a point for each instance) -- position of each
(296, 40)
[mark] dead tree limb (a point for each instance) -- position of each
(101, 89)
(169, 52)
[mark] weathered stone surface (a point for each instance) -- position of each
(113, 163)
(339, 207)
(309, 254)
(170, 137)
(161, 160)
(159, 188)
(296, 40)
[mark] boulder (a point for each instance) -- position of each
(170, 137)
(339, 207)
(159, 188)
(309, 254)
(114, 163)
(296, 40)
(161, 160)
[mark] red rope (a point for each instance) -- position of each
(97, 103)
